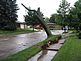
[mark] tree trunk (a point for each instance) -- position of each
(41, 20)
(43, 23)
(33, 27)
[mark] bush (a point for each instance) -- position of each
(11, 27)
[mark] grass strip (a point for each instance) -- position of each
(29, 52)
(70, 51)
(18, 31)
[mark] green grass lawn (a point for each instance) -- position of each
(29, 52)
(70, 51)
(18, 31)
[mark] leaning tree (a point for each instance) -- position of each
(41, 20)
(31, 19)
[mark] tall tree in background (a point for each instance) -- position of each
(75, 15)
(46, 20)
(63, 11)
(53, 18)
(8, 16)
(78, 12)
(77, 6)
(31, 19)
(73, 18)
(58, 19)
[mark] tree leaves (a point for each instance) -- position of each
(8, 10)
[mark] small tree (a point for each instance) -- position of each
(31, 19)
(46, 20)
(53, 18)
(63, 11)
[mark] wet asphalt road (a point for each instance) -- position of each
(12, 44)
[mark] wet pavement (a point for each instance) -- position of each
(13, 44)
(44, 56)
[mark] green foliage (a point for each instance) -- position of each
(8, 16)
(46, 20)
(53, 18)
(73, 18)
(58, 19)
(63, 11)
(39, 15)
(70, 51)
(31, 19)
(75, 15)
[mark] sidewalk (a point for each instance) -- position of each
(47, 55)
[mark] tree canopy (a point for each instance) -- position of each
(8, 16)
(31, 19)
(63, 11)
(53, 18)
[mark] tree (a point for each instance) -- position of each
(78, 12)
(63, 11)
(53, 18)
(75, 15)
(73, 19)
(31, 19)
(8, 16)
(77, 6)
(46, 20)
(58, 19)
(41, 20)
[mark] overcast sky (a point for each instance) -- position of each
(47, 7)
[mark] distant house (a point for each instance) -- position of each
(54, 26)
(21, 25)
(51, 25)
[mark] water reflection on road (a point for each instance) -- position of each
(13, 44)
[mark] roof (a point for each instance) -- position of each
(20, 22)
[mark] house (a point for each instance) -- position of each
(21, 25)
(51, 26)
